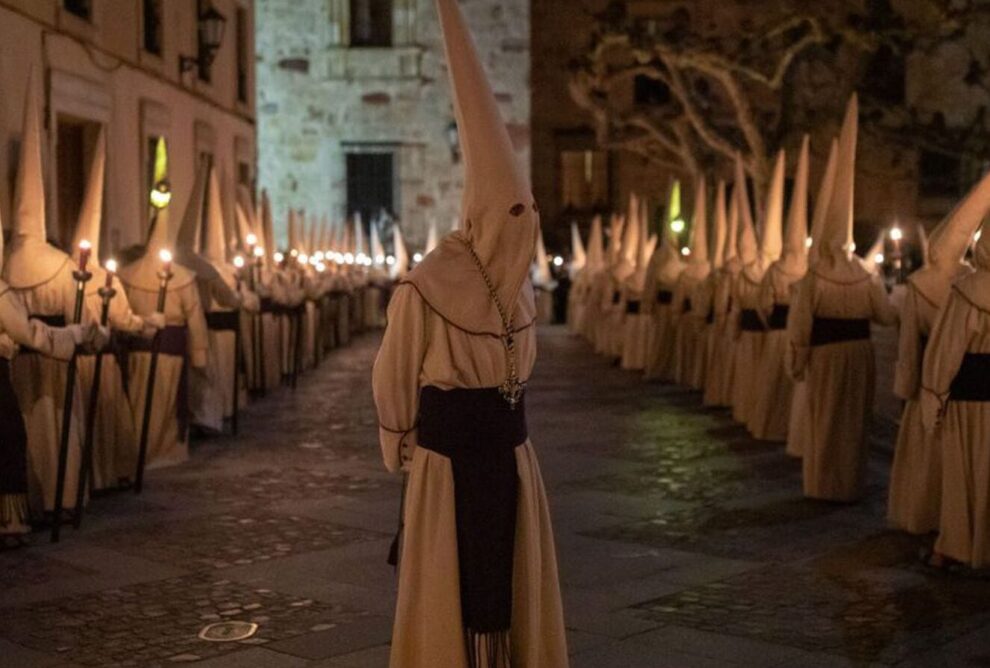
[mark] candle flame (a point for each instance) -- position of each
(111, 266)
(239, 262)
(252, 240)
(896, 234)
(85, 245)
(259, 251)
(165, 256)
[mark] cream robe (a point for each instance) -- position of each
(420, 348)
(721, 360)
(748, 348)
(662, 333)
(840, 377)
(211, 393)
(963, 326)
(635, 332)
(770, 416)
(114, 435)
(690, 346)
(166, 446)
(16, 329)
(39, 383)
(916, 474)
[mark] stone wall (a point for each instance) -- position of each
(318, 99)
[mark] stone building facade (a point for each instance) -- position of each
(355, 110)
(118, 66)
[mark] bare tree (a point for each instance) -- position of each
(750, 85)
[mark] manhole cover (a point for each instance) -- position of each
(228, 631)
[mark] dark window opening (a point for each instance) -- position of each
(939, 175)
(81, 8)
(153, 26)
(650, 92)
(371, 23)
(242, 55)
(370, 184)
(75, 144)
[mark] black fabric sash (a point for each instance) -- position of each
(174, 342)
(13, 438)
(665, 297)
(50, 320)
(749, 321)
(223, 321)
(838, 330)
(972, 381)
(778, 316)
(267, 305)
(632, 307)
(479, 432)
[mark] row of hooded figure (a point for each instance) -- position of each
(55, 328)
(776, 326)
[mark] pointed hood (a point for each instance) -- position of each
(247, 218)
(629, 250)
(142, 274)
(732, 262)
(795, 259)
(822, 202)
(637, 280)
(542, 276)
(667, 263)
(837, 231)
(499, 218)
(698, 265)
(579, 258)
(88, 226)
(292, 233)
(981, 252)
(924, 244)
(360, 246)
(771, 238)
(596, 247)
(746, 248)
(614, 249)
(432, 238)
(32, 260)
(401, 266)
(949, 242)
(721, 226)
(377, 250)
(214, 247)
(189, 238)
(267, 238)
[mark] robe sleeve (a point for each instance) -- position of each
(907, 373)
(223, 295)
(800, 320)
(955, 328)
(196, 322)
(396, 374)
(122, 318)
(31, 333)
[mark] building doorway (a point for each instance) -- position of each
(371, 183)
(75, 143)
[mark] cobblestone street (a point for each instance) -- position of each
(681, 543)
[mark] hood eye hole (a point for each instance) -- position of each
(517, 210)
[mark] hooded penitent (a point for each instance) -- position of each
(625, 264)
(542, 276)
(795, 258)
(698, 264)
(31, 260)
(721, 227)
(771, 241)
(400, 267)
(432, 238)
(746, 247)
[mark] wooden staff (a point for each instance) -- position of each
(106, 294)
(81, 277)
(164, 276)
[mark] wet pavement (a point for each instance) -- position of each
(681, 542)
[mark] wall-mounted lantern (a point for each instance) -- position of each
(210, 26)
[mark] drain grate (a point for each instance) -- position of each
(228, 631)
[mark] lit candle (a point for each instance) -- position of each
(239, 262)
(259, 252)
(252, 240)
(85, 248)
(166, 257)
(111, 269)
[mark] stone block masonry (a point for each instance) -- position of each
(320, 98)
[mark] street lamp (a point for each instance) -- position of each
(210, 26)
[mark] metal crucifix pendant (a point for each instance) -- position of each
(512, 391)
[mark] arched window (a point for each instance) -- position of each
(371, 23)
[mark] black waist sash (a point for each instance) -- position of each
(173, 340)
(267, 305)
(13, 444)
(749, 321)
(223, 321)
(972, 381)
(778, 317)
(632, 307)
(838, 330)
(479, 432)
(665, 297)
